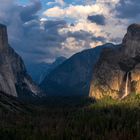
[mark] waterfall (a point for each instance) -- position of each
(126, 86)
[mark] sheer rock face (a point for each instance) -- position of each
(131, 41)
(117, 73)
(3, 37)
(13, 77)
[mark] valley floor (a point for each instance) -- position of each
(73, 118)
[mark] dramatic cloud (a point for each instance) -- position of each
(40, 39)
(61, 2)
(17, 17)
(43, 31)
(29, 12)
(57, 23)
(88, 16)
(98, 19)
(128, 8)
(72, 11)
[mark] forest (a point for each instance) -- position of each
(73, 118)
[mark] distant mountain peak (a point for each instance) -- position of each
(39, 71)
(59, 60)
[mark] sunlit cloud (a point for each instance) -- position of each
(43, 30)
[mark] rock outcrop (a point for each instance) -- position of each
(117, 73)
(73, 76)
(14, 79)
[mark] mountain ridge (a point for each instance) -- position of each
(73, 76)
(39, 71)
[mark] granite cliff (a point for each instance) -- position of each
(14, 79)
(117, 72)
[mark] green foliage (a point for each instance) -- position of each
(75, 118)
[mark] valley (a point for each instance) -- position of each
(87, 92)
(76, 118)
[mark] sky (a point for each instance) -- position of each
(42, 30)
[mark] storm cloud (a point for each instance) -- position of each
(98, 19)
(37, 39)
(41, 33)
(128, 8)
